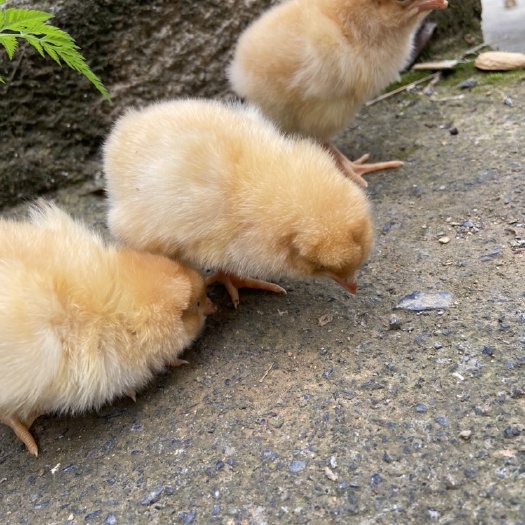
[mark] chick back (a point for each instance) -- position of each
(311, 64)
(218, 186)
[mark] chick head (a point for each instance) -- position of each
(335, 249)
(199, 304)
(169, 291)
(397, 13)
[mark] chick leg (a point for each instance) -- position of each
(233, 283)
(355, 169)
(22, 432)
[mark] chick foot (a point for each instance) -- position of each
(357, 168)
(360, 167)
(22, 431)
(233, 283)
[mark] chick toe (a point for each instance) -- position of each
(22, 432)
(361, 168)
(232, 284)
(355, 169)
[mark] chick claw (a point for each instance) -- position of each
(175, 363)
(357, 168)
(22, 432)
(232, 284)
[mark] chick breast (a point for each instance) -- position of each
(219, 187)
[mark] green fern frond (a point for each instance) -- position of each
(32, 26)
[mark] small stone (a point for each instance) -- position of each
(92, 515)
(434, 514)
(420, 301)
(465, 434)
(421, 408)
(438, 345)
(470, 472)
(453, 131)
(444, 240)
(153, 497)
(190, 517)
(330, 474)
(111, 519)
(297, 466)
(488, 350)
(394, 322)
(443, 421)
(451, 483)
(468, 84)
(511, 432)
(376, 479)
(508, 101)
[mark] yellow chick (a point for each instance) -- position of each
(218, 186)
(311, 64)
(82, 322)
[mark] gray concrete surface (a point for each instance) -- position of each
(318, 407)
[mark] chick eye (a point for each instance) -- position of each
(198, 304)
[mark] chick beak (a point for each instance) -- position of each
(431, 5)
(349, 284)
(209, 307)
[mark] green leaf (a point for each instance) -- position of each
(25, 19)
(32, 26)
(10, 43)
(35, 42)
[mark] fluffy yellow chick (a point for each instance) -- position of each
(82, 322)
(311, 64)
(218, 186)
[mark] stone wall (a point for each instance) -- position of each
(53, 120)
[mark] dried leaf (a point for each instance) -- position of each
(330, 474)
(325, 319)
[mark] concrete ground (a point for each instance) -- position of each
(318, 407)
